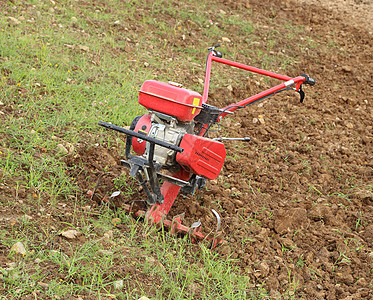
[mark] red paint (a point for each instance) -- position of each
(203, 156)
(169, 99)
(143, 126)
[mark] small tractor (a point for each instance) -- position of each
(168, 149)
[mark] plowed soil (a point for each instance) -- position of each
(296, 202)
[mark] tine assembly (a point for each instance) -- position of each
(175, 225)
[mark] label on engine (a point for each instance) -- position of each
(141, 132)
(195, 103)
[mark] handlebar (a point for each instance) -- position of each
(141, 136)
(309, 80)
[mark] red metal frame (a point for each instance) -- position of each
(288, 82)
(169, 191)
(158, 212)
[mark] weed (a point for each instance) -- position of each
(300, 262)
(342, 259)
(314, 189)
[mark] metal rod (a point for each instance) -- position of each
(263, 94)
(244, 139)
(251, 69)
(141, 136)
(230, 108)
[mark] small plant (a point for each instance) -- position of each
(300, 262)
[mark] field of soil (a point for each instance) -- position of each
(302, 177)
(296, 201)
(301, 190)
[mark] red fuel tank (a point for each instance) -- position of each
(201, 155)
(170, 99)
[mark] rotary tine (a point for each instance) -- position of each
(176, 221)
(216, 239)
(193, 229)
(92, 193)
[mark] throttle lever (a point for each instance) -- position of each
(244, 139)
(301, 93)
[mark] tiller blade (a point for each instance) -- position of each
(156, 215)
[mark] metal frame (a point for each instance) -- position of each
(288, 84)
(167, 193)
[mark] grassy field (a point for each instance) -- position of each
(63, 67)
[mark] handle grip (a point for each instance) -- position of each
(309, 80)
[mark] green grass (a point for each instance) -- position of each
(92, 267)
(63, 68)
(66, 66)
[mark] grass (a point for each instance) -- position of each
(64, 67)
(92, 267)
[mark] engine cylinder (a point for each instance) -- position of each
(162, 127)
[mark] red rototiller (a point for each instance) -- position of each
(172, 146)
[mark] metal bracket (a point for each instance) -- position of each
(195, 182)
(139, 166)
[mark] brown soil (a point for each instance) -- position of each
(296, 202)
(297, 193)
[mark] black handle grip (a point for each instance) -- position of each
(309, 80)
(141, 136)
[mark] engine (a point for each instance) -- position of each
(162, 127)
(171, 119)
(168, 150)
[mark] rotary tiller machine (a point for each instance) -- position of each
(173, 153)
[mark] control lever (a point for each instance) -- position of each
(216, 53)
(244, 139)
(301, 93)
